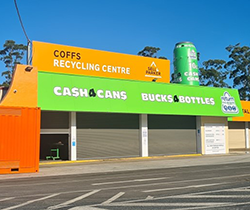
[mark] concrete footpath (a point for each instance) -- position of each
(59, 168)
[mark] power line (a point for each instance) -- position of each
(29, 59)
(19, 16)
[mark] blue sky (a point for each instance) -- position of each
(127, 26)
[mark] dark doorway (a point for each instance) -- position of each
(54, 141)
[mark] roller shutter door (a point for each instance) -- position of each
(236, 135)
(171, 135)
(54, 120)
(107, 135)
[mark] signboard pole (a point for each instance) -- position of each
(143, 118)
(247, 135)
(198, 135)
(28, 53)
(72, 136)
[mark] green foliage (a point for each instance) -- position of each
(11, 54)
(162, 57)
(239, 69)
(150, 52)
(214, 73)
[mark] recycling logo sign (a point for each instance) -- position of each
(228, 105)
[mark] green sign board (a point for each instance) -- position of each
(92, 94)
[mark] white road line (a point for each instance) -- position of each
(6, 199)
(215, 191)
(149, 198)
(31, 201)
(117, 182)
(180, 196)
(65, 204)
(207, 192)
(204, 205)
(176, 188)
(215, 205)
(240, 190)
(152, 179)
(172, 182)
(134, 180)
(85, 208)
(118, 195)
(211, 196)
(191, 206)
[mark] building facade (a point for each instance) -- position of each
(97, 104)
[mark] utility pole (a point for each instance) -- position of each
(28, 53)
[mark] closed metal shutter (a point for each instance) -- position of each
(54, 120)
(171, 135)
(236, 135)
(107, 135)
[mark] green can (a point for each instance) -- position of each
(186, 70)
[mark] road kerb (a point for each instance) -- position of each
(119, 159)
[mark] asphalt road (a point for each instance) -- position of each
(211, 186)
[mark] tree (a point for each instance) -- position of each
(11, 55)
(217, 72)
(213, 73)
(239, 69)
(150, 52)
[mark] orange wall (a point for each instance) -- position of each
(75, 60)
(19, 139)
(23, 89)
(246, 111)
